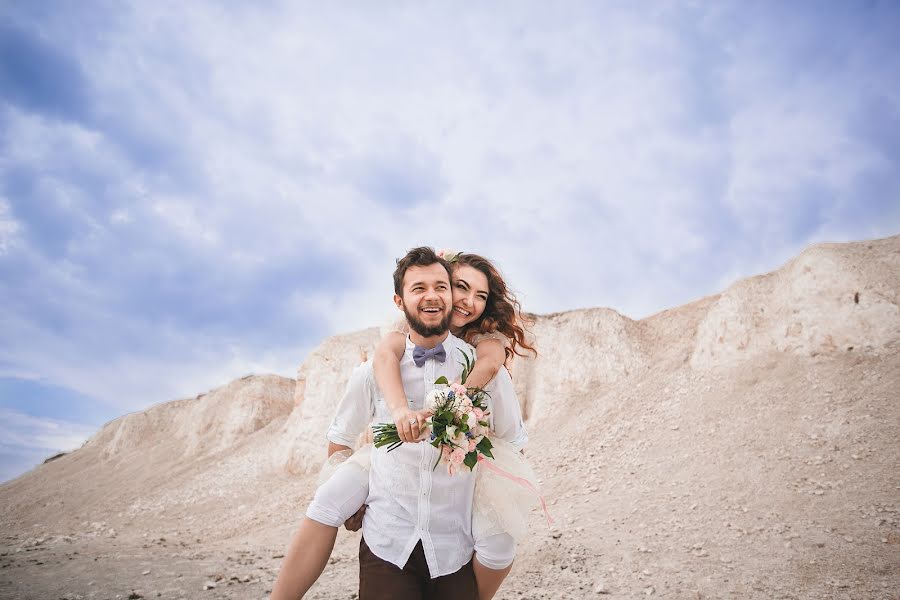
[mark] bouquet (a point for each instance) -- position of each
(458, 422)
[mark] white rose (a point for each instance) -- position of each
(449, 254)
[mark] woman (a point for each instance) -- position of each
(485, 314)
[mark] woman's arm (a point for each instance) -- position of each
(386, 366)
(491, 354)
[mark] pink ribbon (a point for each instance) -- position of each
(520, 480)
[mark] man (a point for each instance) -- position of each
(417, 540)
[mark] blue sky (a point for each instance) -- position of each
(190, 193)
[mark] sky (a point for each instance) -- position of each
(191, 192)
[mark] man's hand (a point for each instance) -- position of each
(410, 424)
(355, 522)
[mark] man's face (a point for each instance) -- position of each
(426, 299)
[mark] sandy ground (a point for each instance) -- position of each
(776, 480)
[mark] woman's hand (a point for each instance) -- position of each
(410, 423)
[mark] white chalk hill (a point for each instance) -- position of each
(746, 444)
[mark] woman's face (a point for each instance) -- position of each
(470, 294)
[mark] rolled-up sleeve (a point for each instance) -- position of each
(355, 410)
(506, 414)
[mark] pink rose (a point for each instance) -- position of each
(479, 414)
(457, 456)
(458, 389)
(472, 445)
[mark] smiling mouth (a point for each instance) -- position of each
(432, 310)
(460, 311)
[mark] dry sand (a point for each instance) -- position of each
(746, 445)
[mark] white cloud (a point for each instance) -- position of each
(19, 430)
(27, 441)
(120, 216)
(8, 227)
(602, 154)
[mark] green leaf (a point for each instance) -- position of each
(484, 446)
(441, 381)
(471, 460)
(467, 365)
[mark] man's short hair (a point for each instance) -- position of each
(422, 256)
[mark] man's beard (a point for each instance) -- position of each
(423, 329)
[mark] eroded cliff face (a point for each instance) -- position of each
(321, 380)
(211, 423)
(831, 298)
(587, 349)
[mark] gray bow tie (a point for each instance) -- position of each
(420, 354)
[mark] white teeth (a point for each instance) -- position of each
(461, 311)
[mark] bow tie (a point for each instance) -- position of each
(420, 354)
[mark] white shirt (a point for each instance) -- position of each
(408, 500)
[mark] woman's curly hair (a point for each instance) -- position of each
(502, 312)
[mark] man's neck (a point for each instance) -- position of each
(427, 342)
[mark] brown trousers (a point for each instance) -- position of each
(381, 580)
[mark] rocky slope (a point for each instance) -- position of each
(741, 446)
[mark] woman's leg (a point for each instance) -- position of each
(494, 557)
(335, 501)
(488, 580)
(305, 559)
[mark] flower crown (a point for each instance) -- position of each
(451, 256)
